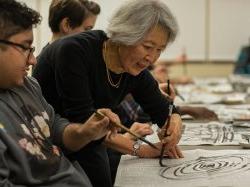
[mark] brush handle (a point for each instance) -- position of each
(100, 115)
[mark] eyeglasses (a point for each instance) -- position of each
(27, 50)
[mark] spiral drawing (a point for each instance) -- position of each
(207, 167)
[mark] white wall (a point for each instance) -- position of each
(230, 27)
(217, 37)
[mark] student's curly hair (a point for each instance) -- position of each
(16, 17)
(75, 10)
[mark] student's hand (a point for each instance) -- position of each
(163, 87)
(114, 119)
(200, 113)
(204, 113)
(98, 128)
(141, 129)
(173, 131)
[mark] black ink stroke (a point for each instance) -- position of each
(207, 167)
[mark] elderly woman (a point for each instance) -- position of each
(94, 69)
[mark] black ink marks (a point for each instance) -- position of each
(207, 167)
(211, 133)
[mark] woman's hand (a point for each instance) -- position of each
(173, 133)
(141, 129)
(146, 151)
(174, 152)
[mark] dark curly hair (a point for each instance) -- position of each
(75, 10)
(16, 17)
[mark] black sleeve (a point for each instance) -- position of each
(151, 99)
(72, 81)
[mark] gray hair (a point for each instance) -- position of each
(134, 19)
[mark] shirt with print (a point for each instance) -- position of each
(30, 133)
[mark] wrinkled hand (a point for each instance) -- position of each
(146, 151)
(173, 134)
(141, 129)
(174, 152)
(163, 87)
(98, 128)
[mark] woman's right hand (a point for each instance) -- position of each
(146, 151)
(172, 134)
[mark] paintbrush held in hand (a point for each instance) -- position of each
(170, 110)
(99, 114)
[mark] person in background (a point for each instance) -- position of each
(130, 111)
(242, 65)
(30, 131)
(160, 73)
(66, 17)
(72, 16)
(106, 67)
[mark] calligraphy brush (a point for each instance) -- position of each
(100, 115)
(170, 110)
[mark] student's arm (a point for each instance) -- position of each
(201, 113)
(74, 136)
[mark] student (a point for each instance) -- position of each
(94, 69)
(242, 65)
(130, 111)
(30, 132)
(72, 16)
(65, 18)
(160, 74)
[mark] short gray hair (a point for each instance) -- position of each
(134, 19)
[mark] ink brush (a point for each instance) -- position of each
(170, 110)
(100, 115)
